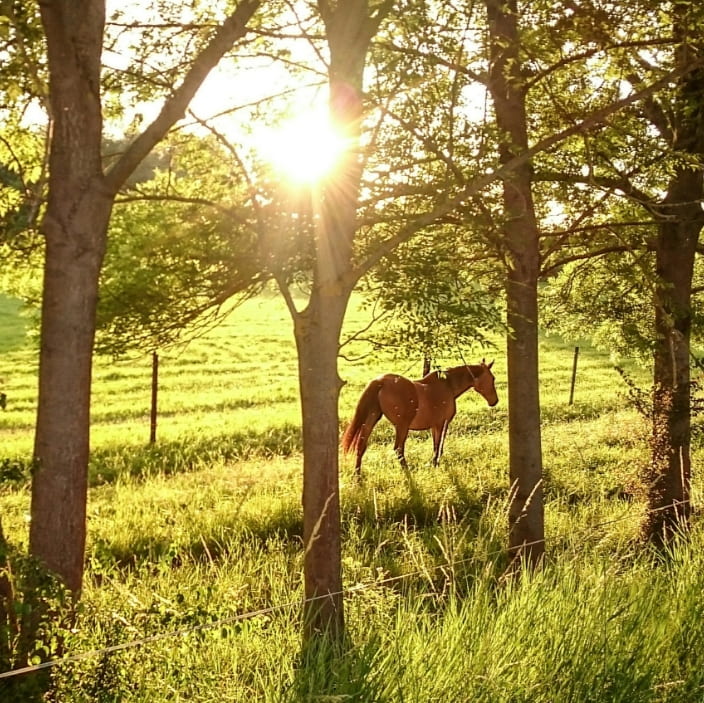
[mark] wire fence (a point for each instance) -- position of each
(581, 534)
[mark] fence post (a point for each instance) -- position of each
(426, 365)
(574, 374)
(155, 391)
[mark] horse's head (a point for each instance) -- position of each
(484, 383)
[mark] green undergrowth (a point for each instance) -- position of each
(195, 554)
(589, 627)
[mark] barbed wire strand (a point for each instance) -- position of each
(350, 590)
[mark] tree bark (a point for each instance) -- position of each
(507, 86)
(317, 332)
(74, 227)
(349, 27)
(668, 477)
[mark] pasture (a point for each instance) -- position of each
(195, 558)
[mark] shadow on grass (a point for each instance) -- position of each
(424, 501)
(256, 522)
(282, 525)
(191, 454)
(165, 458)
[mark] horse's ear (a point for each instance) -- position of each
(490, 364)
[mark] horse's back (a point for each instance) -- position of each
(436, 403)
(398, 398)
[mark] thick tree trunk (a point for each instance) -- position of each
(74, 226)
(681, 219)
(526, 523)
(59, 486)
(669, 474)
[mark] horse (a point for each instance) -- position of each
(428, 403)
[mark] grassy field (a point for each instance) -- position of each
(189, 536)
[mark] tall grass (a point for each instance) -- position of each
(188, 537)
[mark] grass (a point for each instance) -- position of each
(190, 534)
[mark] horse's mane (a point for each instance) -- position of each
(475, 371)
(429, 377)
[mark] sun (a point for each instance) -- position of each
(303, 149)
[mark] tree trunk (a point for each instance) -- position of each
(426, 365)
(669, 474)
(526, 519)
(681, 218)
(349, 28)
(526, 523)
(317, 332)
(74, 226)
(59, 486)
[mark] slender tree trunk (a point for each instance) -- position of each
(526, 518)
(349, 27)
(426, 365)
(317, 332)
(526, 523)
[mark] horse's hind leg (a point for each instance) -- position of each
(437, 444)
(439, 434)
(400, 443)
(363, 439)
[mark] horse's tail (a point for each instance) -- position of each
(368, 403)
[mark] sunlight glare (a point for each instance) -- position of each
(304, 149)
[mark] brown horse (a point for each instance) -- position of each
(428, 403)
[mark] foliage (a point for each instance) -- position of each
(433, 303)
(22, 144)
(35, 619)
(142, 277)
(612, 184)
(169, 259)
(23, 70)
(602, 299)
(22, 183)
(430, 137)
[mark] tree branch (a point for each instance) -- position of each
(481, 182)
(233, 28)
(623, 184)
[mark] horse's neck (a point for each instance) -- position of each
(463, 379)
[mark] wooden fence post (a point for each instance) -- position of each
(574, 374)
(155, 391)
